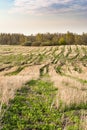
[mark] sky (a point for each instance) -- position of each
(42, 16)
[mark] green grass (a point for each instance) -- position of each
(59, 70)
(78, 69)
(12, 59)
(18, 70)
(31, 109)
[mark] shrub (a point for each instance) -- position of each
(37, 43)
(28, 43)
(48, 43)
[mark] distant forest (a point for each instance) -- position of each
(46, 39)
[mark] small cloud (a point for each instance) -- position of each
(48, 6)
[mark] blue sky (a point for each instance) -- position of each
(33, 16)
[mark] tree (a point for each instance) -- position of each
(55, 40)
(39, 37)
(70, 38)
(62, 41)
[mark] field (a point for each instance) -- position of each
(43, 88)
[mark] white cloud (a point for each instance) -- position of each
(33, 6)
(37, 3)
(44, 6)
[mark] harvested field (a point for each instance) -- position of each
(65, 66)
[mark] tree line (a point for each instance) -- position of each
(46, 39)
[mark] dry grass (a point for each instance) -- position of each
(69, 97)
(8, 84)
(65, 84)
(70, 90)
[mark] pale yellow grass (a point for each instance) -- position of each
(68, 97)
(2, 73)
(82, 75)
(72, 83)
(16, 49)
(8, 85)
(70, 91)
(33, 71)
